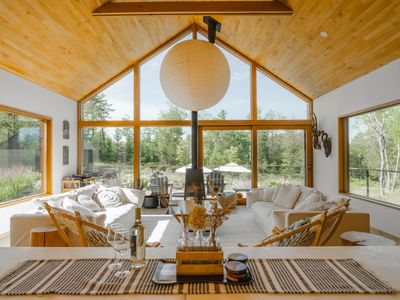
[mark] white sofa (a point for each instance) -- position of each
(276, 208)
(123, 212)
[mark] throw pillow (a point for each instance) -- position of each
(89, 190)
(268, 195)
(287, 195)
(89, 203)
(133, 196)
(313, 202)
(56, 200)
(110, 197)
(72, 206)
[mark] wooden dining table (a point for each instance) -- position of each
(384, 261)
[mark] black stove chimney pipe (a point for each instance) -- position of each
(194, 139)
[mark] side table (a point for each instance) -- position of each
(47, 236)
(355, 238)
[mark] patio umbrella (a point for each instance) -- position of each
(232, 168)
(182, 170)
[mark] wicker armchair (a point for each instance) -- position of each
(314, 231)
(307, 234)
(81, 232)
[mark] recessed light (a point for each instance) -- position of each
(324, 34)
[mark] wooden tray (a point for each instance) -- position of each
(166, 274)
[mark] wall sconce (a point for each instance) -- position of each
(317, 134)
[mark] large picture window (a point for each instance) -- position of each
(23, 149)
(372, 141)
(108, 155)
(237, 136)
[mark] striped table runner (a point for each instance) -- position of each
(92, 277)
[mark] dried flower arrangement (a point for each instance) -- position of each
(197, 217)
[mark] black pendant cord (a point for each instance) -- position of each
(194, 139)
(213, 27)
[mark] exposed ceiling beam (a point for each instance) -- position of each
(193, 8)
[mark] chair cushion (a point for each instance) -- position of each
(286, 195)
(89, 203)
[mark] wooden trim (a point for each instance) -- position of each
(194, 31)
(342, 156)
(49, 156)
(310, 109)
(254, 159)
(309, 159)
(193, 8)
(136, 93)
(24, 113)
(370, 109)
(221, 123)
(79, 144)
(253, 90)
(22, 200)
(136, 153)
(200, 143)
(375, 201)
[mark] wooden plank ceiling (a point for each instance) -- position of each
(61, 46)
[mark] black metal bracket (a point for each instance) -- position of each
(213, 27)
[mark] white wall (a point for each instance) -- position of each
(22, 94)
(378, 87)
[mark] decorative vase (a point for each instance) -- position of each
(184, 240)
(199, 240)
(213, 241)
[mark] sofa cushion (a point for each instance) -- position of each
(268, 195)
(110, 197)
(56, 200)
(72, 206)
(89, 203)
(254, 195)
(133, 196)
(263, 215)
(124, 214)
(313, 202)
(89, 190)
(286, 195)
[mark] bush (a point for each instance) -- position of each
(17, 182)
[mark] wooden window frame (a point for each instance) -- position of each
(343, 153)
(252, 124)
(45, 157)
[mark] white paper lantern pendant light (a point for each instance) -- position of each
(195, 74)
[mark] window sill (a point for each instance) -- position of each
(379, 202)
(21, 200)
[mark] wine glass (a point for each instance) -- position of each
(111, 240)
(122, 245)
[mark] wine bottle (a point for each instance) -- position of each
(138, 245)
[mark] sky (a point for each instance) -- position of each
(270, 95)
